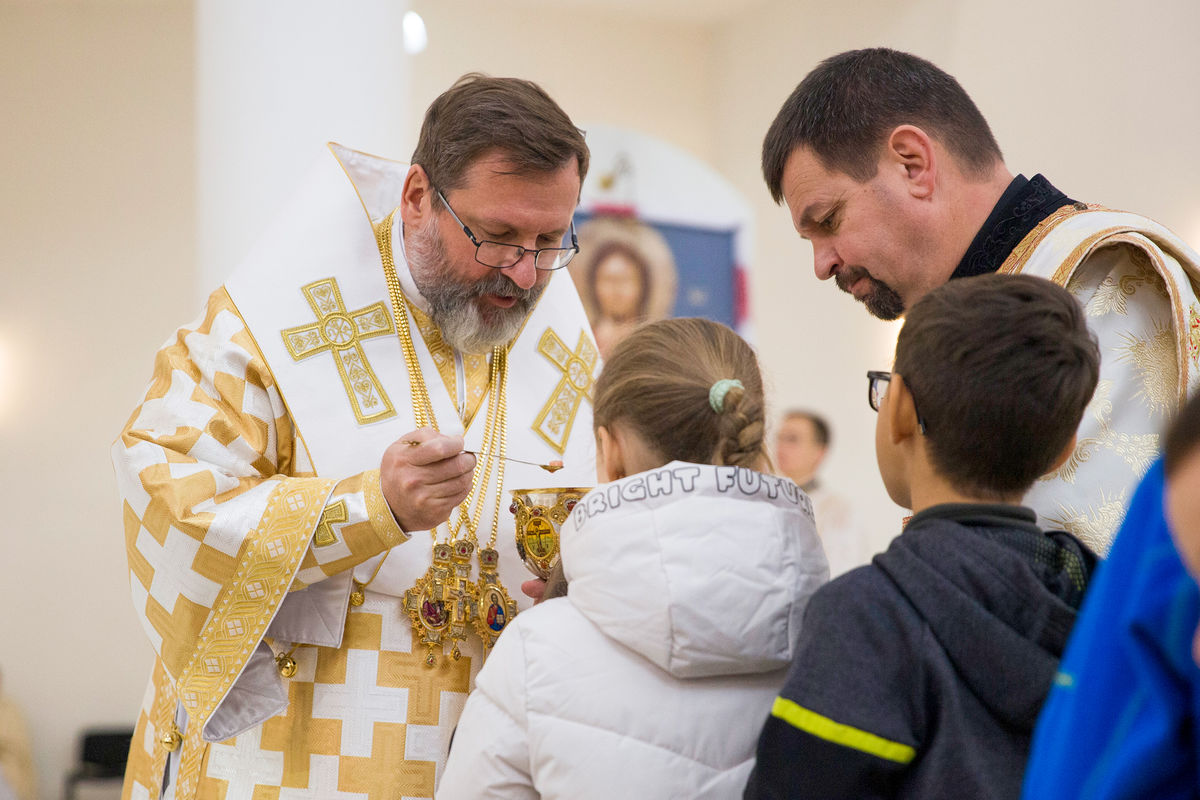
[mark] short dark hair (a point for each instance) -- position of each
(820, 426)
(1182, 436)
(479, 114)
(845, 108)
(1001, 368)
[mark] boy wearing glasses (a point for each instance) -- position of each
(921, 675)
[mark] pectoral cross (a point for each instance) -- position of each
(341, 332)
(555, 420)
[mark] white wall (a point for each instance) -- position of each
(96, 253)
(271, 90)
(98, 245)
(648, 74)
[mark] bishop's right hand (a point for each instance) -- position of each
(424, 475)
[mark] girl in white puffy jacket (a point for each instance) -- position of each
(688, 574)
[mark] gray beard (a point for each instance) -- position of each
(466, 323)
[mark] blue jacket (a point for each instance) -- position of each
(1121, 719)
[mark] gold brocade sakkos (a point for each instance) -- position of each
(445, 603)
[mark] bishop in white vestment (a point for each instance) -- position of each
(268, 569)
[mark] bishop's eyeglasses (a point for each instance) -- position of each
(499, 255)
(877, 383)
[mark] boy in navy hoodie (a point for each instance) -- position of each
(921, 674)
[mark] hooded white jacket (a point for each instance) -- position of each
(653, 677)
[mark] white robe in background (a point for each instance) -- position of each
(1136, 281)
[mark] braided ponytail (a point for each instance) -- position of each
(659, 380)
(740, 430)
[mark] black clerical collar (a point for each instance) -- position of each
(1024, 204)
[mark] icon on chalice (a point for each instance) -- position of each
(540, 514)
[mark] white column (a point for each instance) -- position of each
(275, 81)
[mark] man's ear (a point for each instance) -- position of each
(416, 199)
(910, 150)
(1064, 455)
(901, 410)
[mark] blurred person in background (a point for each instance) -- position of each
(801, 444)
(18, 779)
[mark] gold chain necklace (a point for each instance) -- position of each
(444, 602)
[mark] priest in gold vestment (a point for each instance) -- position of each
(891, 172)
(315, 487)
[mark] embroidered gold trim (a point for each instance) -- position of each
(270, 557)
(340, 333)
(380, 513)
(1193, 335)
(1133, 238)
(1118, 234)
(553, 424)
(1175, 299)
(1020, 255)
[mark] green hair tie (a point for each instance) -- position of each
(717, 392)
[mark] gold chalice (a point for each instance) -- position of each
(540, 514)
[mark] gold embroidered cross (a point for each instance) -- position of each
(341, 333)
(554, 422)
(334, 513)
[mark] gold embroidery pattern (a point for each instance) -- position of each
(380, 513)
(557, 417)
(334, 513)
(1111, 293)
(1154, 358)
(1095, 524)
(1193, 335)
(340, 332)
(1137, 450)
(147, 758)
(1020, 255)
(273, 552)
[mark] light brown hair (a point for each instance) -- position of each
(479, 114)
(657, 384)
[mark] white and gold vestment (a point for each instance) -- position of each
(1136, 281)
(253, 509)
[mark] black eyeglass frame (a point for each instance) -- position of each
(518, 249)
(874, 377)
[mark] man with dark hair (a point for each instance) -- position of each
(921, 674)
(801, 444)
(313, 485)
(891, 172)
